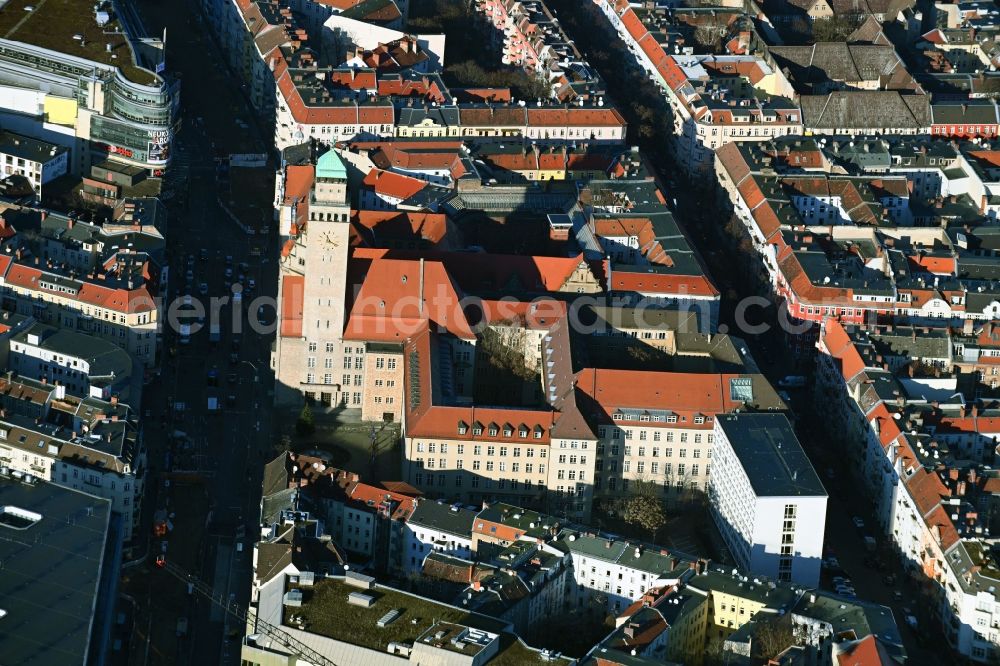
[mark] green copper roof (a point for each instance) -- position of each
(330, 166)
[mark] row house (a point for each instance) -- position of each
(610, 573)
(860, 265)
(714, 99)
(85, 283)
(534, 41)
(84, 444)
(919, 489)
(437, 527)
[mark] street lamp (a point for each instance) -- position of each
(256, 372)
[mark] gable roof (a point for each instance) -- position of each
(865, 109)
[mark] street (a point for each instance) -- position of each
(205, 465)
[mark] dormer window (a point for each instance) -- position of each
(494, 430)
(477, 428)
(463, 427)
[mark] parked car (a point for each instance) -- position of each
(792, 381)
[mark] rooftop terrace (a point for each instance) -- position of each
(54, 24)
(326, 612)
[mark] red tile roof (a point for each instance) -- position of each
(389, 184)
(662, 283)
(574, 117)
(298, 182)
(841, 347)
(865, 652)
(292, 296)
(432, 227)
(372, 497)
(680, 392)
(401, 297)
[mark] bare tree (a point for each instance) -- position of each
(772, 636)
(709, 36)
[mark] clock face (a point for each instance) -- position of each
(330, 240)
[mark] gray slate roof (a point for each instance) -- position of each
(51, 575)
(865, 109)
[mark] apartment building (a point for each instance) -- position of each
(523, 583)
(679, 622)
(86, 366)
(534, 41)
(84, 444)
(866, 113)
(39, 162)
(437, 527)
(93, 98)
(438, 632)
(766, 499)
(715, 100)
(610, 573)
(859, 268)
(926, 493)
(85, 277)
(665, 436)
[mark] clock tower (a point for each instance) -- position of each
(327, 239)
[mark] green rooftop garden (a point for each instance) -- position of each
(325, 611)
(53, 24)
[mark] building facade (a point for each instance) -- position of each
(766, 499)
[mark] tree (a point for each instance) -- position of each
(283, 444)
(833, 29)
(306, 424)
(644, 508)
(708, 36)
(772, 636)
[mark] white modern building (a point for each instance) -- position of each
(612, 572)
(87, 366)
(437, 527)
(766, 499)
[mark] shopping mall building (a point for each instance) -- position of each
(75, 83)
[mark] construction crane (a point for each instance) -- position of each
(245, 615)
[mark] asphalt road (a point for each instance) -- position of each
(232, 442)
